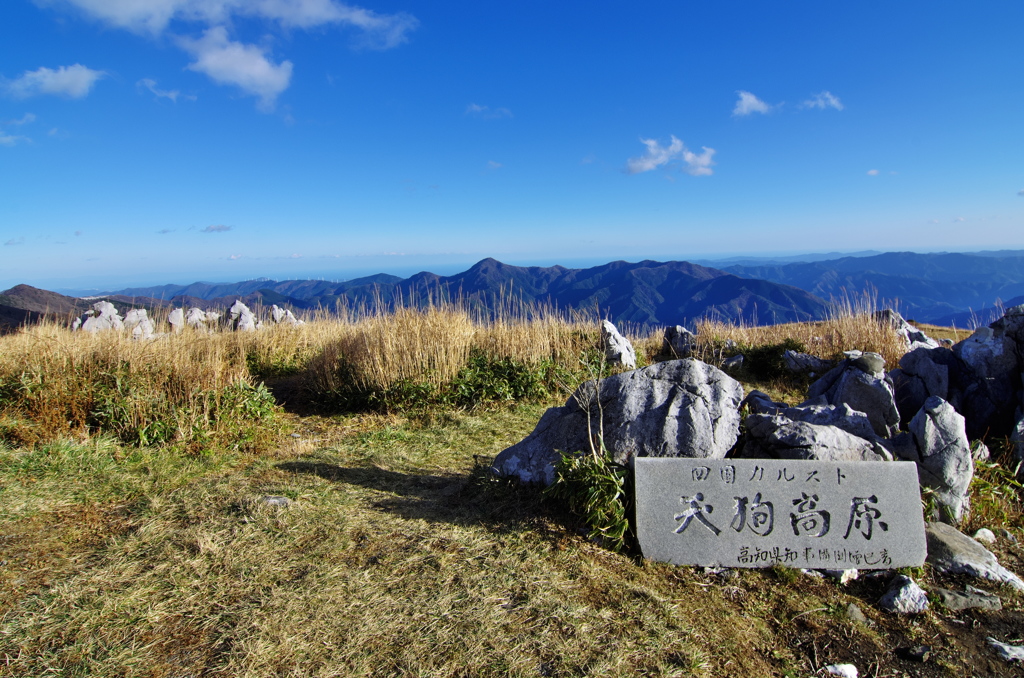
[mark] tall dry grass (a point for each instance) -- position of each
(850, 325)
(200, 388)
(190, 388)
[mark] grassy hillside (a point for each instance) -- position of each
(135, 539)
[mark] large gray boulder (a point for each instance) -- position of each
(103, 316)
(860, 382)
(283, 316)
(779, 437)
(991, 390)
(944, 456)
(926, 372)
(805, 362)
(677, 408)
(617, 349)
(138, 323)
(951, 551)
(912, 337)
(242, 319)
(176, 319)
(678, 341)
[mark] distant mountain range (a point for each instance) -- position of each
(944, 289)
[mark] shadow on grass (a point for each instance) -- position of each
(480, 498)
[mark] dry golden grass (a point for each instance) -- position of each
(851, 325)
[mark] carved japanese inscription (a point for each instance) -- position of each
(759, 513)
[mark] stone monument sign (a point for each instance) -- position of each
(763, 512)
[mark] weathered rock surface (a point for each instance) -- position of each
(904, 597)
(617, 349)
(778, 437)
(926, 372)
(974, 599)
(137, 321)
(805, 362)
(945, 464)
(949, 550)
(242, 319)
(103, 316)
(1008, 652)
(283, 316)
(176, 319)
(990, 394)
(677, 408)
(678, 341)
(860, 382)
(913, 337)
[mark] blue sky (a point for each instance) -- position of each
(154, 141)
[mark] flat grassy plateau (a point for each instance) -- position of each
(134, 539)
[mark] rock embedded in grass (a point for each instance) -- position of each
(904, 597)
(617, 349)
(951, 551)
(677, 408)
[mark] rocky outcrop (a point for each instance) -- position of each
(860, 382)
(678, 342)
(617, 349)
(778, 437)
(952, 551)
(944, 458)
(805, 362)
(283, 316)
(913, 337)
(138, 323)
(242, 319)
(677, 408)
(103, 316)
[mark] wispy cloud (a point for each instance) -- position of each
(748, 104)
(233, 257)
(13, 139)
(234, 63)
(380, 31)
(487, 112)
(1020, 192)
(872, 173)
(215, 228)
(71, 81)
(172, 94)
(14, 241)
(165, 231)
(823, 100)
(23, 120)
(657, 155)
(491, 164)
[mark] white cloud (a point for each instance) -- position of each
(488, 112)
(173, 94)
(70, 81)
(748, 104)
(491, 164)
(12, 139)
(872, 173)
(233, 257)
(23, 120)
(233, 63)
(823, 99)
(379, 31)
(216, 228)
(14, 241)
(657, 155)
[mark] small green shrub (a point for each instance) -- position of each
(596, 489)
(488, 379)
(765, 362)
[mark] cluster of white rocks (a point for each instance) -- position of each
(104, 317)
